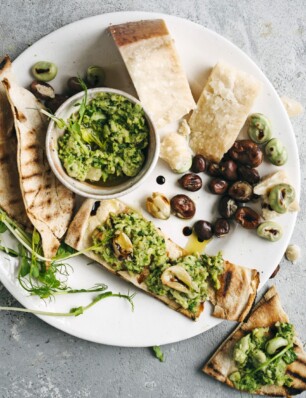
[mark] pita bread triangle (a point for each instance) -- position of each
(48, 204)
(266, 313)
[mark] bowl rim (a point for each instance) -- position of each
(68, 181)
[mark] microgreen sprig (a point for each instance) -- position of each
(77, 310)
(33, 274)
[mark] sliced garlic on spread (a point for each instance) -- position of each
(122, 245)
(177, 278)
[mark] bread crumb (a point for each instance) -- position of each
(293, 253)
(293, 107)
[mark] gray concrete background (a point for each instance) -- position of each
(37, 360)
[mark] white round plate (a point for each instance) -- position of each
(73, 48)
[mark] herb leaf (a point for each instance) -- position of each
(74, 311)
(3, 227)
(158, 353)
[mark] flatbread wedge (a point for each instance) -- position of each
(266, 313)
(152, 61)
(10, 195)
(48, 204)
(231, 303)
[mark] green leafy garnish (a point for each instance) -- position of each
(158, 353)
(34, 275)
(74, 311)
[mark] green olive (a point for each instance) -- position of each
(274, 344)
(44, 71)
(276, 152)
(280, 197)
(95, 76)
(260, 130)
(270, 230)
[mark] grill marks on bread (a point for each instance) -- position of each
(49, 205)
(10, 195)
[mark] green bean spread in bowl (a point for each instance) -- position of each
(105, 141)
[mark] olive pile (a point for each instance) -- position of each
(232, 179)
(44, 72)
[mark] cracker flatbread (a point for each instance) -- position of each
(153, 63)
(10, 195)
(221, 111)
(266, 313)
(79, 237)
(49, 205)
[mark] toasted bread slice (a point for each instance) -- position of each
(235, 303)
(266, 313)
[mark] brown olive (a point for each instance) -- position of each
(246, 152)
(74, 85)
(229, 170)
(198, 164)
(54, 103)
(192, 182)
(182, 206)
(241, 191)
(203, 230)
(213, 170)
(275, 272)
(227, 207)
(249, 175)
(218, 186)
(247, 218)
(42, 90)
(221, 227)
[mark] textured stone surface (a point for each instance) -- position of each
(39, 361)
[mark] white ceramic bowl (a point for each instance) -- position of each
(87, 189)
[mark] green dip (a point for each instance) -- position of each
(143, 250)
(106, 140)
(262, 357)
(149, 247)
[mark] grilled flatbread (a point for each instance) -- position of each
(266, 313)
(153, 63)
(235, 301)
(48, 203)
(10, 195)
